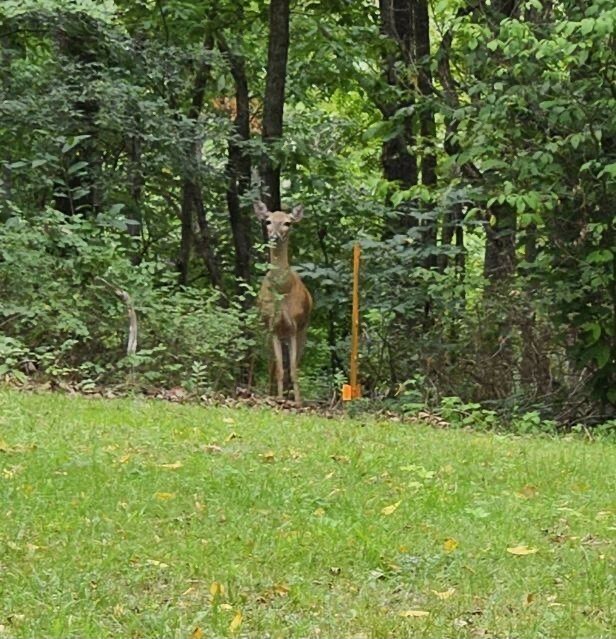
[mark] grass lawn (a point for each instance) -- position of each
(141, 518)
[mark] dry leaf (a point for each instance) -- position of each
(269, 457)
(228, 420)
(445, 594)
(173, 466)
(217, 589)
(155, 562)
(389, 510)
(521, 550)
(236, 622)
(527, 492)
(450, 544)
(211, 448)
(197, 633)
(226, 606)
(231, 436)
(414, 613)
(164, 496)
(319, 512)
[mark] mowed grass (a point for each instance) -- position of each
(140, 518)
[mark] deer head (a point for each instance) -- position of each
(278, 223)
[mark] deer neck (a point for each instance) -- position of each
(279, 256)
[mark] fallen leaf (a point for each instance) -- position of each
(527, 492)
(414, 613)
(164, 496)
(445, 594)
(389, 510)
(197, 633)
(319, 512)
(282, 590)
(236, 622)
(211, 448)
(226, 606)
(269, 457)
(216, 589)
(521, 550)
(173, 466)
(231, 436)
(124, 458)
(528, 600)
(450, 544)
(228, 420)
(155, 562)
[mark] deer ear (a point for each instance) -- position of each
(260, 210)
(297, 213)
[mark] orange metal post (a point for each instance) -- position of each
(353, 390)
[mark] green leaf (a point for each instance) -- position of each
(600, 256)
(602, 355)
(587, 25)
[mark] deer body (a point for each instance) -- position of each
(284, 301)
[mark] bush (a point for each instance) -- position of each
(62, 319)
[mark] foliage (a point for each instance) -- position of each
(488, 277)
(63, 320)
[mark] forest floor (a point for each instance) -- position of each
(143, 518)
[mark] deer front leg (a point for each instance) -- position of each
(277, 346)
(293, 356)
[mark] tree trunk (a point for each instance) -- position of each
(273, 106)
(75, 191)
(238, 171)
(427, 125)
(499, 261)
(399, 163)
(136, 188)
(192, 198)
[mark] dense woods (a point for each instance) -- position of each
(468, 145)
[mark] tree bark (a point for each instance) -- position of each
(192, 198)
(273, 106)
(76, 191)
(499, 259)
(238, 171)
(399, 163)
(427, 124)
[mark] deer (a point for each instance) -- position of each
(284, 302)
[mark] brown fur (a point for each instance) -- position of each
(284, 301)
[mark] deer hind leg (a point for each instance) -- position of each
(295, 348)
(277, 346)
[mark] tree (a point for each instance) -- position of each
(273, 102)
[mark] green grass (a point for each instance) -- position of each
(116, 517)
